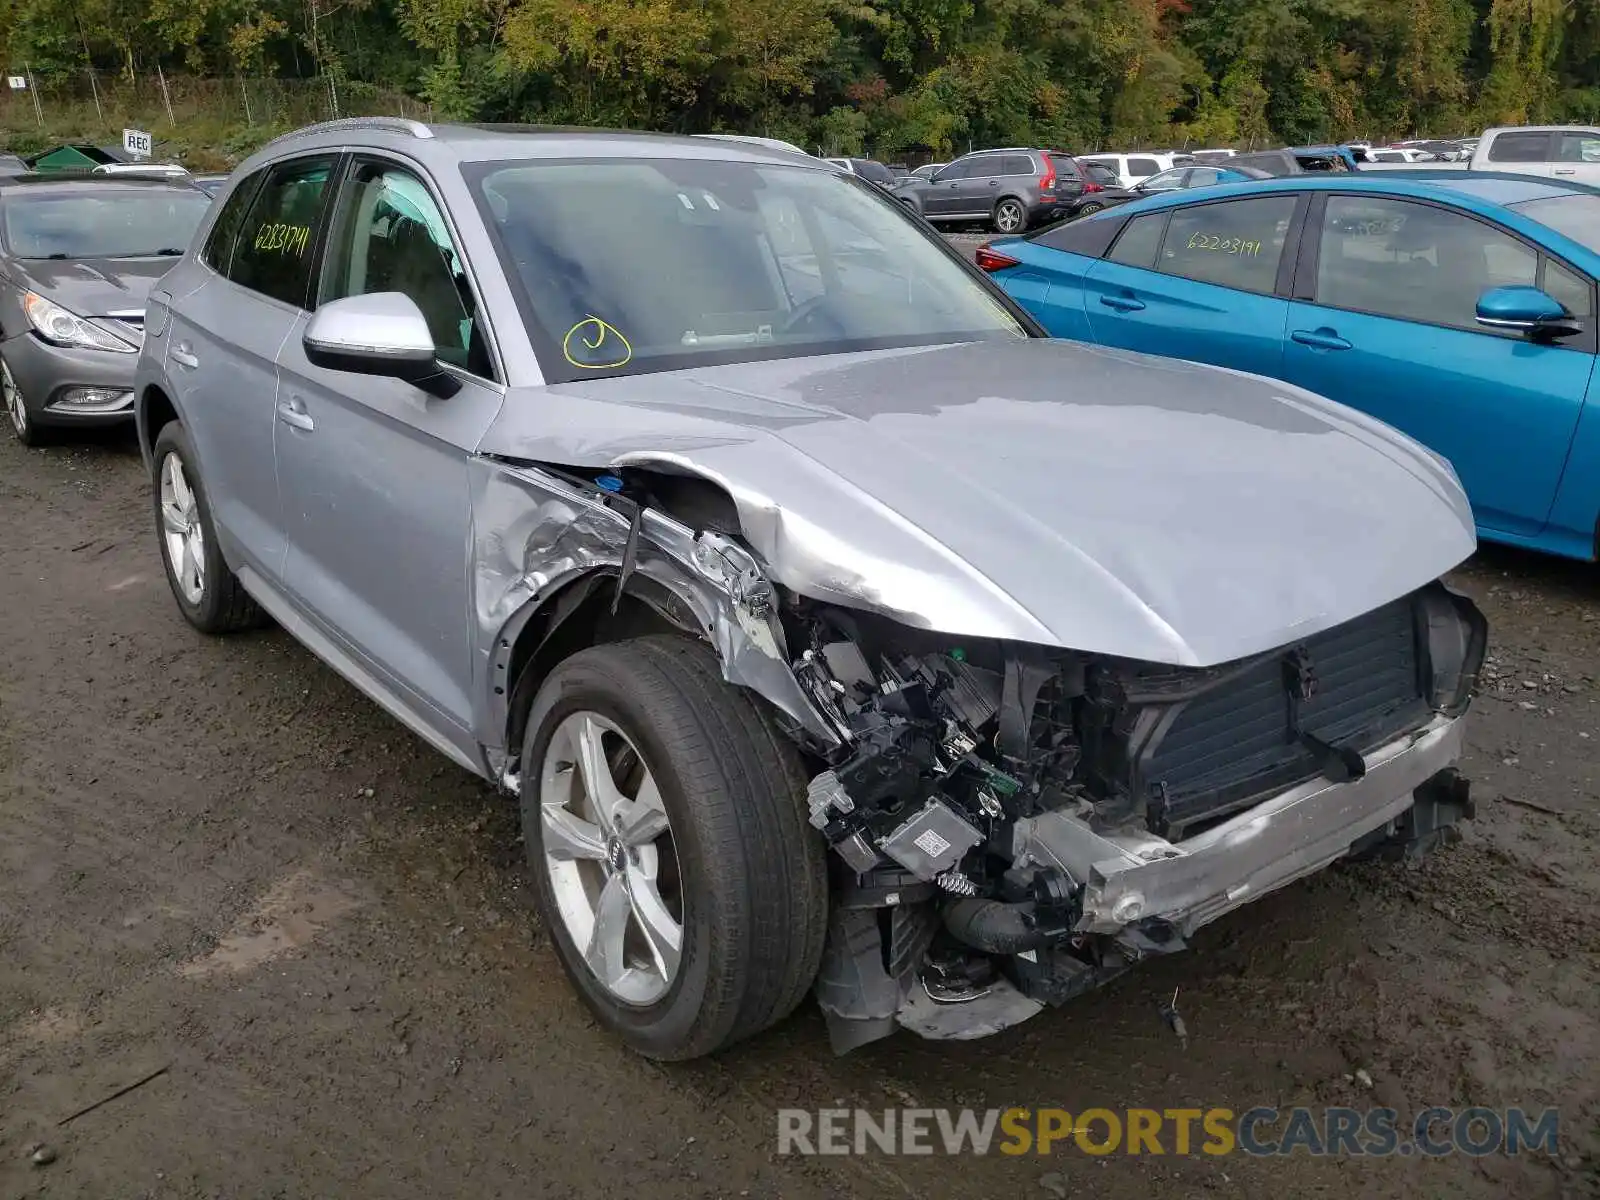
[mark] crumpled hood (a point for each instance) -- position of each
(1039, 491)
(94, 287)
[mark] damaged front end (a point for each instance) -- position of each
(1014, 825)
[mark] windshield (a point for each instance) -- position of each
(634, 266)
(109, 222)
(1576, 216)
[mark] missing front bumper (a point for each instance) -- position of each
(1131, 876)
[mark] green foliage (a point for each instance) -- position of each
(890, 77)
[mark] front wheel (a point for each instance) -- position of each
(1009, 216)
(208, 594)
(17, 409)
(679, 881)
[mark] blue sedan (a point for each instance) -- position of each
(1457, 307)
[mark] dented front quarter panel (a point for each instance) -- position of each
(1037, 492)
(535, 533)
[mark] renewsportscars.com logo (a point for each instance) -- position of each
(1318, 1132)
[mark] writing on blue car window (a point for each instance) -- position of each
(1235, 244)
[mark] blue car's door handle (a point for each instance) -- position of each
(1122, 303)
(1320, 339)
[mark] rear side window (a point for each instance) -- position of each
(273, 256)
(1578, 148)
(1143, 166)
(1015, 164)
(218, 252)
(1520, 147)
(1236, 244)
(1139, 241)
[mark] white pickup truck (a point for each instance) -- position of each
(1556, 151)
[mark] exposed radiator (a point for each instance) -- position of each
(1235, 745)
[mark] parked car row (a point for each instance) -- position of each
(835, 629)
(1459, 308)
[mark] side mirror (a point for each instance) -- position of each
(382, 333)
(1530, 311)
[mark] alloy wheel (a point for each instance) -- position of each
(13, 400)
(183, 540)
(610, 855)
(1008, 217)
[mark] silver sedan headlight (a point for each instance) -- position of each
(63, 328)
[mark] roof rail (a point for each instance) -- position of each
(387, 124)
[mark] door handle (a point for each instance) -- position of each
(1122, 303)
(293, 412)
(994, 183)
(1566, 171)
(1320, 339)
(183, 356)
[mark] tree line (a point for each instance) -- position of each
(883, 76)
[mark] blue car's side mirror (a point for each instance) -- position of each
(1527, 310)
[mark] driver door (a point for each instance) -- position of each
(374, 471)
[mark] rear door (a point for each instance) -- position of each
(1577, 156)
(1385, 322)
(223, 343)
(1205, 281)
(374, 470)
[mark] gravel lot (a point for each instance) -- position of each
(218, 859)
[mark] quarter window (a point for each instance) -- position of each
(1015, 164)
(1236, 244)
(1519, 147)
(1138, 243)
(224, 235)
(393, 238)
(1139, 167)
(273, 255)
(1414, 262)
(1573, 290)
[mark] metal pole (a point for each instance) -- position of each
(95, 88)
(33, 88)
(245, 92)
(165, 97)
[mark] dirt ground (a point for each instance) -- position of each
(218, 859)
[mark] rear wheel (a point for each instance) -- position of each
(681, 886)
(1090, 208)
(208, 594)
(1009, 216)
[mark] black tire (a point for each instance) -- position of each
(223, 606)
(753, 877)
(1009, 216)
(1090, 208)
(26, 430)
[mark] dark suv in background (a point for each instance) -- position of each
(1009, 189)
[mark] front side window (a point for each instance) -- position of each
(630, 266)
(1167, 181)
(102, 220)
(393, 238)
(1237, 244)
(1414, 262)
(1520, 147)
(273, 256)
